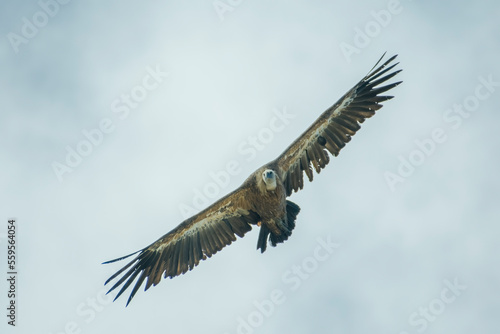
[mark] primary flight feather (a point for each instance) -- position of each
(261, 199)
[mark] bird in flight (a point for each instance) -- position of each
(262, 199)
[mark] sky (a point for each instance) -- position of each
(121, 119)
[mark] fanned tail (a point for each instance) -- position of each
(292, 210)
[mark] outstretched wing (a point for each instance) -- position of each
(335, 127)
(186, 245)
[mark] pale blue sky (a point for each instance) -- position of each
(202, 83)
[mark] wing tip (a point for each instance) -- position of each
(122, 258)
(392, 58)
(374, 69)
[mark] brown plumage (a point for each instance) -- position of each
(261, 199)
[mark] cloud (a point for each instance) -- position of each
(225, 79)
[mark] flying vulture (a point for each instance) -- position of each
(262, 199)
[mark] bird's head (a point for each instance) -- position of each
(269, 178)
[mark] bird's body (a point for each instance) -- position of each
(262, 198)
(271, 205)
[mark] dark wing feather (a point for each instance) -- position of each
(335, 127)
(184, 247)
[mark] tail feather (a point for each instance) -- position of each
(292, 210)
(262, 241)
(277, 239)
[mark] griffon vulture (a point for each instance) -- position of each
(262, 199)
